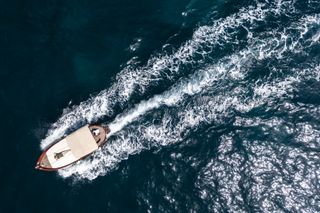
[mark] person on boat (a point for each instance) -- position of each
(99, 133)
(58, 155)
(96, 131)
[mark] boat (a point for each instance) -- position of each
(73, 147)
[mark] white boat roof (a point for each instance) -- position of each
(73, 147)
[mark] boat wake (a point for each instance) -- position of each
(214, 90)
(167, 67)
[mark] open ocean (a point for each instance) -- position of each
(213, 105)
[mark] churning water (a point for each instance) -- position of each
(235, 107)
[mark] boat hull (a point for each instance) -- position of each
(72, 148)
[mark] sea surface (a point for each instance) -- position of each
(213, 105)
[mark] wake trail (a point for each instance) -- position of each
(164, 67)
(275, 44)
(227, 66)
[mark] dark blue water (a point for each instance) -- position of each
(213, 106)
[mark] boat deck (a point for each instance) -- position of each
(70, 149)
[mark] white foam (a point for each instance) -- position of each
(229, 65)
(132, 79)
(193, 114)
(190, 115)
